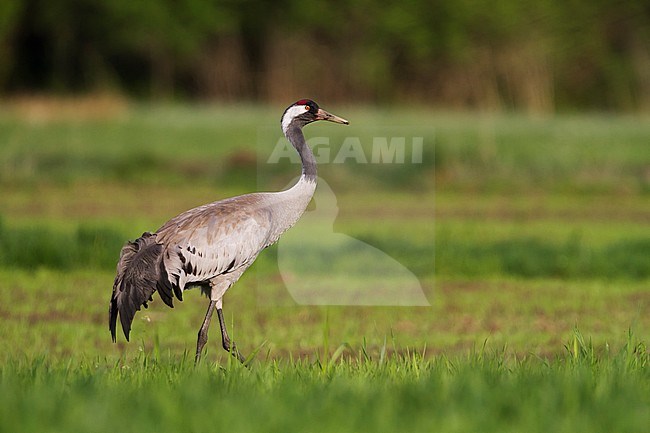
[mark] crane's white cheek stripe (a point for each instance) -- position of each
(291, 114)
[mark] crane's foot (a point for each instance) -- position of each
(231, 347)
(227, 344)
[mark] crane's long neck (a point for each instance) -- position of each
(289, 205)
(297, 139)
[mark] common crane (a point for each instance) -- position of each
(212, 245)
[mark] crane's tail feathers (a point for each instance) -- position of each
(140, 271)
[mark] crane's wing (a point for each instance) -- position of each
(213, 240)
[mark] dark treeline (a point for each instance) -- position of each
(538, 55)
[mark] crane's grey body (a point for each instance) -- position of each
(219, 241)
(212, 245)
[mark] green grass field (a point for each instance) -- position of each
(530, 238)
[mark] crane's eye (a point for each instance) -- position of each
(307, 108)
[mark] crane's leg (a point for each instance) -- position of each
(227, 344)
(203, 332)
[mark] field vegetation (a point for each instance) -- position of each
(530, 237)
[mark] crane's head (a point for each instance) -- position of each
(306, 111)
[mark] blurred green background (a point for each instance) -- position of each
(536, 56)
(528, 214)
(527, 221)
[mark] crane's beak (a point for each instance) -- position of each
(324, 115)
